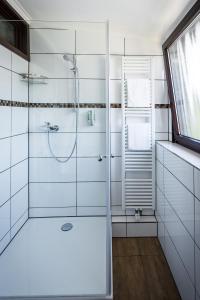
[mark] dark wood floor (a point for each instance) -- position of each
(140, 271)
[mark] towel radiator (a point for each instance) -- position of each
(138, 166)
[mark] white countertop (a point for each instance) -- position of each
(186, 154)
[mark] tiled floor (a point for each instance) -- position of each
(141, 271)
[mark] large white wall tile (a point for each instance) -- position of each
(5, 84)
(18, 225)
(197, 268)
(115, 67)
(19, 204)
(55, 90)
(197, 183)
(160, 206)
(91, 66)
(19, 65)
(51, 66)
(141, 229)
(159, 153)
(61, 144)
(91, 211)
(19, 176)
(96, 170)
(115, 91)
(4, 219)
(52, 195)
(52, 41)
(158, 67)
(19, 148)
(4, 186)
(161, 120)
(5, 121)
(116, 167)
(92, 90)
(116, 44)
(181, 169)
(161, 136)
(116, 120)
(181, 239)
(5, 57)
(4, 242)
(160, 92)
(49, 170)
(180, 274)
(116, 144)
(160, 176)
(197, 222)
(91, 194)
(91, 41)
(19, 88)
(119, 229)
(116, 193)
(181, 200)
(19, 120)
(64, 118)
(5, 154)
(91, 144)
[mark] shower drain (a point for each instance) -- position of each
(66, 227)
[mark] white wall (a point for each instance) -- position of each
(178, 214)
(13, 145)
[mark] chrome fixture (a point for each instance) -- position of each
(50, 127)
(55, 128)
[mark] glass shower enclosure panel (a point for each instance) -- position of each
(64, 248)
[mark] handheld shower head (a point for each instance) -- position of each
(71, 59)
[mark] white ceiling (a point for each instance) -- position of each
(147, 18)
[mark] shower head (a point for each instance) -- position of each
(71, 59)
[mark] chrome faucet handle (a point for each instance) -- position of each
(100, 157)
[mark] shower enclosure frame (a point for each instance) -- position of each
(109, 285)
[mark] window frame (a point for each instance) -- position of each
(181, 27)
(22, 39)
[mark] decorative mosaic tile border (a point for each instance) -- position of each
(66, 105)
(13, 103)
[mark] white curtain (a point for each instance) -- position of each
(184, 57)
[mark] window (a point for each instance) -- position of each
(182, 62)
(14, 31)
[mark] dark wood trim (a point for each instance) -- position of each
(22, 39)
(186, 21)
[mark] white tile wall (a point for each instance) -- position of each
(61, 143)
(161, 120)
(91, 66)
(54, 91)
(179, 168)
(160, 176)
(92, 91)
(141, 229)
(115, 91)
(91, 42)
(115, 67)
(91, 211)
(5, 84)
(91, 144)
(19, 205)
(91, 194)
(181, 239)
(5, 57)
(49, 170)
(116, 44)
(116, 144)
(96, 170)
(141, 46)
(161, 93)
(4, 219)
(158, 67)
(4, 186)
(5, 121)
(19, 176)
(5, 154)
(19, 88)
(52, 41)
(116, 120)
(100, 120)
(19, 120)
(181, 200)
(197, 183)
(19, 149)
(52, 195)
(19, 65)
(52, 212)
(197, 222)
(116, 193)
(197, 268)
(116, 169)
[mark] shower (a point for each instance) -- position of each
(55, 128)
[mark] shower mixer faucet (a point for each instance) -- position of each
(51, 127)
